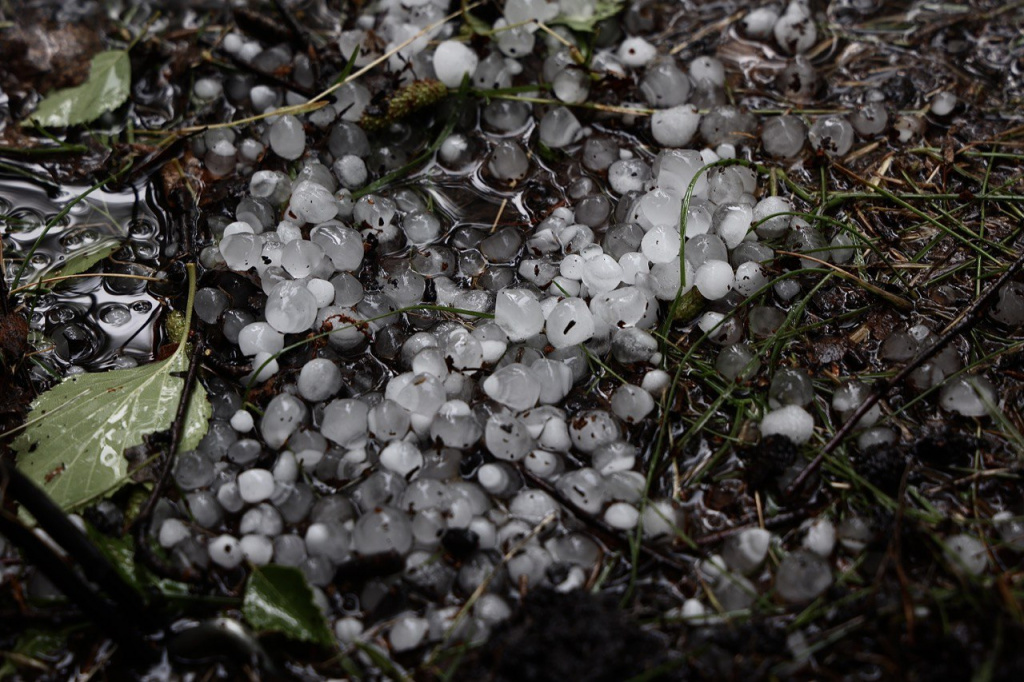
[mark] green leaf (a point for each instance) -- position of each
(84, 259)
(105, 89)
(603, 9)
(278, 599)
(121, 554)
(76, 434)
(36, 650)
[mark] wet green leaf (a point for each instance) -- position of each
(106, 88)
(84, 259)
(76, 434)
(278, 599)
(35, 651)
(121, 554)
(603, 9)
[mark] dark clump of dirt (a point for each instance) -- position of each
(768, 460)
(573, 636)
(744, 652)
(882, 467)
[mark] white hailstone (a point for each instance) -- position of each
(675, 169)
(820, 538)
(430, 361)
(942, 103)
(636, 52)
(420, 394)
(283, 414)
(345, 422)
(602, 273)
(382, 530)
(308, 458)
(676, 126)
(572, 86)
(242, 421)
(507, 438)
(714, 279)
(322, 290)
(255, 485)
(656, 382)
(572, 266)
(970, 396)
(831, 134)
(758, 23)
(570, 323)
(299, 258)
(708, 69)
(849, 397)
(286, 468)
(514, 386)
(497, 479)
(585, 489)
(659, 518)
(402, 457)
(908, 126)
(241, 251)
(792, 421)
(661, 244)
(491, 609)
(264, 366)
(228, 497)
(518, 313)
(257, 549)
(312, 202)
(795, 31)
(232, 43)
(348, 630)
(750, 278)
(238, 227)
(273, 186)
(225, 551)
(263, 97)
(622, 516)
(592, 429)
(559, 128)
(407, 633)
(532, 506)
(172, 531)
(351, 171)
(631, 403)
(802, 577)
(543, 464)
(555, 380)
(667, 282)
(528, 566)
(634, 263)
(628, 175)
(745, 551)
(732, 223)
(387, 420)
(291, 308)
(343, 245)
(769, 217)
(287, 138)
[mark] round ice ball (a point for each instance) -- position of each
(291, 308)
(714, 279)
(570, 323)
(287, 137)
(676, 126)
(454, 60)
(792, 421)
(832, 135)
(783, 136)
